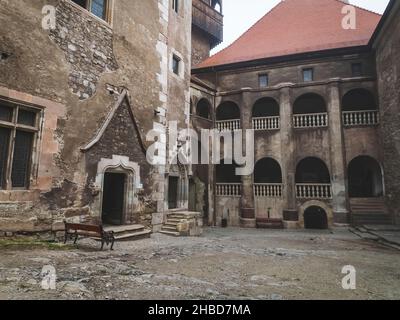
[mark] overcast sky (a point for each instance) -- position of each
(240, 15)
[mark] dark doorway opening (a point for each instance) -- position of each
(315, 218)
(365, 178)
(173, 192)
(113, 198)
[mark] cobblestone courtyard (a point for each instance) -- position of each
(223, 264)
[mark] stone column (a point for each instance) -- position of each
(337, 152)
(247, 207)
(290, 212)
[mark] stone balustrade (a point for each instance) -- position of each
(229, 189)
(360, 118)
(311, 120)
(228, 125)
(313, 191)
(267, 123)
(268, 190)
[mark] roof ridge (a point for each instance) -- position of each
(361, 8)
(248, 30)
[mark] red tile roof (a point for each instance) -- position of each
(297, 26)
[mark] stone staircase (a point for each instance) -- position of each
(369, 211)
(183, 224)
(129, 232)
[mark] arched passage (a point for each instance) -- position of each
(315, 218)
(309, 103)
(365, 178)
(312, 170)
(203, 109)
(226, 173)
(266, 107)
(228, 111)
(358, 100)
(267, 170)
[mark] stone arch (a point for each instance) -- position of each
(228, 110)
(309, 103)
(226, 173)
(312, 170)
(203, 109)
(319, 204)
(365, 178)
(267, 170)
(359, 99)
(266, 107)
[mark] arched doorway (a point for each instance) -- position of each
(358, 100)
(365, 178)
(114, 187)
(267, 170)
(228, 110)
(266, 114)
(309, 111)
(359, 108)
(266, 107)
(203, 109)
(226, 173)
(312, 170)
(313, 180)
(118, 180)
(315, 218)
(309, 103)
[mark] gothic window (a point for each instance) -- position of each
(19, 126)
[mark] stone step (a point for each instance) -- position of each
(176, 217)
(170, 233)
(360, 219)
(168, 228)
(133, 235)
(174, 220)
(169, 223)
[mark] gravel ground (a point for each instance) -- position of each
(222, 264)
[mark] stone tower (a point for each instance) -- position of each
(207, 28)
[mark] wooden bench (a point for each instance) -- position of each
(74, 230)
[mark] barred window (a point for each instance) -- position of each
(19, 126)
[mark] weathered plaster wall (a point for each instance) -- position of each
(73, 66)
